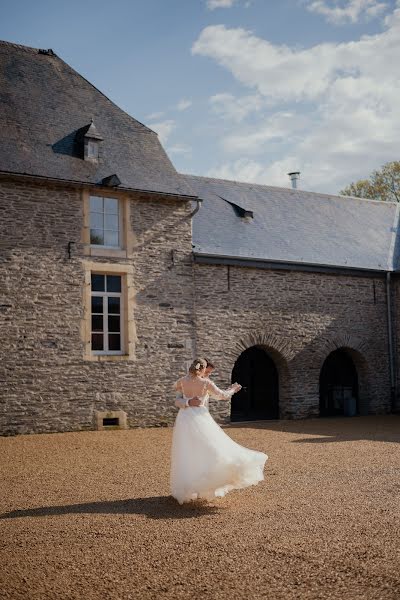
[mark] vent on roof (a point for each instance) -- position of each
(92, 140)
(243, 213)
(294, 176)
(111, 180)
(48, 52)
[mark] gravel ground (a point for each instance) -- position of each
(88, 516)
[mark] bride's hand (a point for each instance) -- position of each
(236, 387)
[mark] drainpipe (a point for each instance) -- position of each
(196, 210)
(195, 321)
(390, 339)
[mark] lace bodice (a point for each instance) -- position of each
(202, 388)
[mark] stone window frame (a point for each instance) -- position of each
(126, 235)
(128, 305)
(107, 294)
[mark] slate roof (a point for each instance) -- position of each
(294, 226)
(45, 110)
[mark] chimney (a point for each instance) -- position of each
(294, 176)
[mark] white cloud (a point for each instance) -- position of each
(347, 11)
(236, 109)
(242, 169)
(213, 4)
(163, 129)
(183, 104)
(154, 116)
(252, 171)
(281, 73)
(280, 126)
(181, 149)
(338, 116)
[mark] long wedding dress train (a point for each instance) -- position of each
(205, 462)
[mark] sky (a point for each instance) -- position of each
(239, 89)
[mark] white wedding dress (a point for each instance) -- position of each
(205, 462)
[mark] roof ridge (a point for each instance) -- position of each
(291, 190)
(147, 129)
(20, 46)
(55, 55)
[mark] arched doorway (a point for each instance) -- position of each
(259, 399)
(338, 385)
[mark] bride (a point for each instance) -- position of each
(205, 462)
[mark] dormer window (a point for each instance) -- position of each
(93, 149)
(92, 141)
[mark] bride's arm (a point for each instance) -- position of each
(180, 402)
(218, 394)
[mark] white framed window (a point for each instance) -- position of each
(105, 222)
(107, 321)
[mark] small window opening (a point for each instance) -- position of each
(111, 421)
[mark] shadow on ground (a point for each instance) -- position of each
(156, 507)
(329, 430)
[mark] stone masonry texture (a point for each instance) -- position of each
(46, 385)
(181, 309)
(299, 318)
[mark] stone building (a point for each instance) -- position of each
(116, 270)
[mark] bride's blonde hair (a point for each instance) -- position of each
(197, 365)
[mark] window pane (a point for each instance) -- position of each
(113, 283)
(97, 237)
(96, 204)
(114, 323)
(111, 206)
(97, 322)
(114, 306)
(93, 149)
(98, 283)
(111, 222)
(97, 304)
(111, 238)
(96, 221)
(114, 342)
(97, 341)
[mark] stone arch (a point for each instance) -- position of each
(355, 347)
(276, 344)
(349, 342)
(279, 350)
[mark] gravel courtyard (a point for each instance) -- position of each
(88, 516)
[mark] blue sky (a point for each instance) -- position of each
(240, 89)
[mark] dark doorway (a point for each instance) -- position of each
(338, 385)
(256, 372)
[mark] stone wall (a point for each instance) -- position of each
(299, 318)
(46, 385)
(180, 309)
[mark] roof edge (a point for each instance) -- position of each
(260, 263)
(33, 50)
(82, 184)
(294, 192)
(106, 97)
(20, 46)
